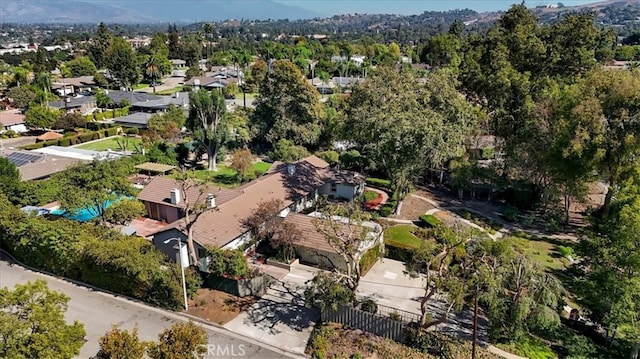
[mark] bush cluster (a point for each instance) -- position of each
(92, 254)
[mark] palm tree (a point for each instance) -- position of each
(152, 70)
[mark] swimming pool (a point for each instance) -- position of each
(82, 215)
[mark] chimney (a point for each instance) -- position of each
(291, 169)
(211, 201)
(196, 83)
(175, 196)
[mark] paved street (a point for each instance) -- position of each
(98, 311)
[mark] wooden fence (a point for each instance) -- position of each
(392, 326)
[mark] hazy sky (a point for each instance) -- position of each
(408, 7)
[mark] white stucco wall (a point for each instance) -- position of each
(239, 241)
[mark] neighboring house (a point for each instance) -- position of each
(73, 85)
(314, 248)
(135, 119)
(12, 120)
(297, 184)
(209, 82)
(138, 42)
(33, 165)
(178, 64)
(81, 104)
(346, 81)
(162, 103)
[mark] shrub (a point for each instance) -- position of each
(488, 153)
(369, 305)
(369, 258)
(229, 263)
(566, 251)
(259, 172)
(428, 343)
(11, 133)
(111, 132)
(428, 220)
(379, 182)
(398, 253)
(85, 137)
(64, 142)
(132, 131)
(370, 196)
(318, 342)
(386, 210)
(34, 146)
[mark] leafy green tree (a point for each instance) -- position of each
(95, 185)
(442, 50)
(124, 211)
(121, 344)
(209, 123)
(165, 126)
(69, 121)
(288, 107)
(180, 341)
(435, 258)
(103, 100)
(399, 124)
(22, 96)
(121, 61)
(40, 117)
(612, 289)
(326, 290)
(9, 177)
(242, 163)
(101, 42)
(32, 323)
(81, 66)
(285, 151)
(346, 236)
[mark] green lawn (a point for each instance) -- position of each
(226, 176)
(261, 166)
(171, 91)
(543, 251)
(401, 236)
(140, 86)
(111, 143)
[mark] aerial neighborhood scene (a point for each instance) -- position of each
(319, 179)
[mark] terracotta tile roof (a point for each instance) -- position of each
(158, 191)
(8, 118)
(49, 136)
(311, 238)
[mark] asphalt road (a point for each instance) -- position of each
(98, 311)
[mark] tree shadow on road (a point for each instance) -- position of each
(282, 305)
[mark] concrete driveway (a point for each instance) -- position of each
(389, 284)
(168, 84)
(280, 318)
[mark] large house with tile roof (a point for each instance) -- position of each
(298, 185)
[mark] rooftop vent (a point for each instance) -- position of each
(211, 201)
(291, 169)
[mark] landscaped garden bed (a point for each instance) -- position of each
(334, 341)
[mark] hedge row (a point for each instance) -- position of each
(379, 183)
(101, 116)
(92, 254)
(74, 140)
(397, 253)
